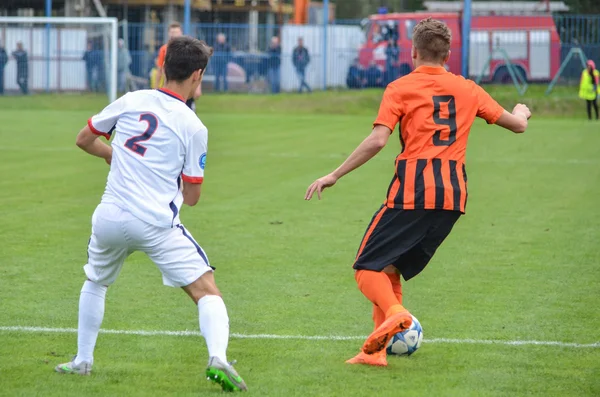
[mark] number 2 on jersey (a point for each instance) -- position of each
(450, 121)
(132, 143)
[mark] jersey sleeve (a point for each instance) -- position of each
(390, 110)
(195, 158)
(487, 107)
(104, 123)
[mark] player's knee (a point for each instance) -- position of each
(203, 286)
(390, 269)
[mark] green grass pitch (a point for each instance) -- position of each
(522, 265)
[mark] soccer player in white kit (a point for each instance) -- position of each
(157, 160)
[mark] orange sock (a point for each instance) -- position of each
(378, 316)
(377, 287)
(396, 285)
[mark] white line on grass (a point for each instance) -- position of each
(24, 329)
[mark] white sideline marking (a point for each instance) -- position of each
(24, 329)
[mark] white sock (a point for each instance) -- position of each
(91, 313)
(214, 325)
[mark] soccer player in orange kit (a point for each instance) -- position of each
(428, 193)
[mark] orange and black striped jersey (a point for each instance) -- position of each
(436, 110)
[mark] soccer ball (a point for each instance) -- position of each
(407, 342)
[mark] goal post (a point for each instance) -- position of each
(55, 48)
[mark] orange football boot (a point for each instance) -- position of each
(379, 359)
(378, 340)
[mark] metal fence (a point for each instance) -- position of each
(578, 31)
(250, 65)
(347, 54)
(536, 54)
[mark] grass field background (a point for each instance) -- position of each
(523, 264)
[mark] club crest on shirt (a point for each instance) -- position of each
(202, 161)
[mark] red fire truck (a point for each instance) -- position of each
(531, 43)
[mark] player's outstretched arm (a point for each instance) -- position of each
(363, 153)
(516, 121)
(89, 143)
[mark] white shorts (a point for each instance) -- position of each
(116, 234)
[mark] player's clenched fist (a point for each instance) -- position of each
(522, 110)
(319, 185)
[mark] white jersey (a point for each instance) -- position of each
(158, 142)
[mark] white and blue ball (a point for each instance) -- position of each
(407, 342)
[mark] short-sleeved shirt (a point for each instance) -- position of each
(160, 63)
(162, 53)
(436, 110)
(158, 141)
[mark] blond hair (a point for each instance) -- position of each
(432, 40)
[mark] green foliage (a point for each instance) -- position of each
(583, 6)
(521, 265)
(356, 9)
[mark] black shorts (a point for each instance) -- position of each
(406, 239)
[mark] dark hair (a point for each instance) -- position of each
(184, 56)
(174, 25)
(432, 39)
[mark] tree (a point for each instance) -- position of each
(584, 6)
(357, 9)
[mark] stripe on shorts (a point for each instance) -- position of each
(198, 248)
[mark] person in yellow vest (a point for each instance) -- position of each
(589, 87)
(153, 74)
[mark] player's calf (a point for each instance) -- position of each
(203, 286)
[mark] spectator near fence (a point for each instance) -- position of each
(3, 62)
(99, 69)
(589, 87)
(301, 59)
(356, 75)
(90, 64)
(20, 56)
(123, 63)
(157, 74)
(221, 57)
(175, 30)
(374, 75)
(274, 68)
(392, 61)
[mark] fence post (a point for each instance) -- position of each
(325, 26)
(186, 17)
(48, 14)
(466, 38)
